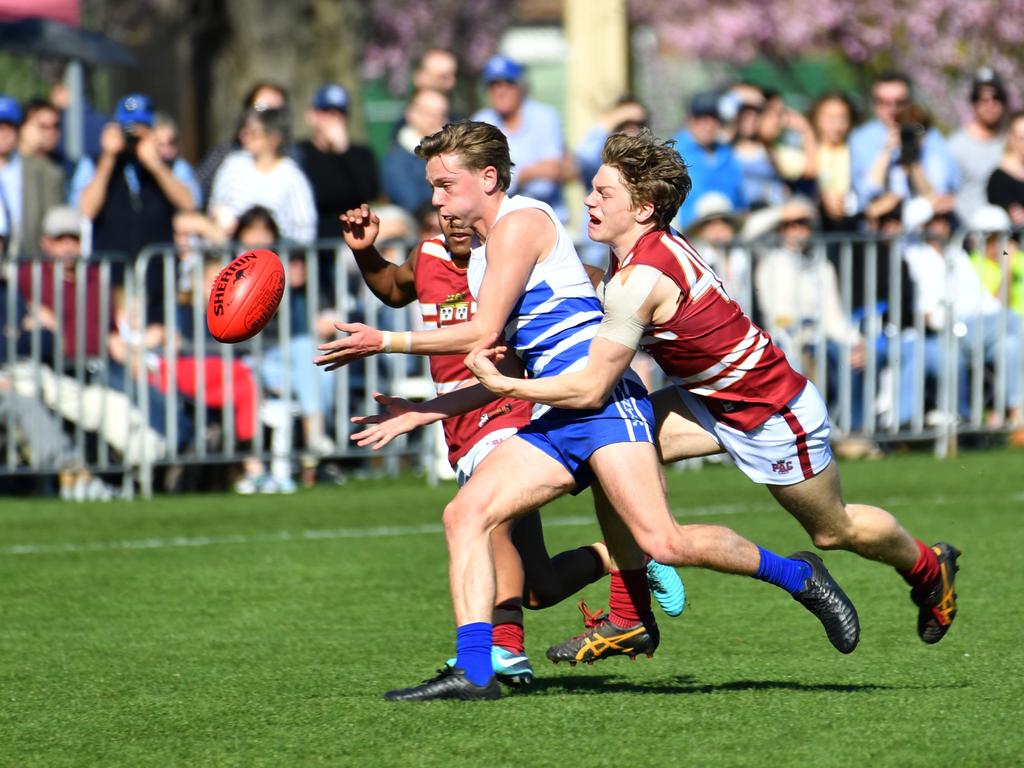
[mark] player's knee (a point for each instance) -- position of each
(457, 517)
(831, 538)
(668, 551)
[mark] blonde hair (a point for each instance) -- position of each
(651, 171)
(479, 145)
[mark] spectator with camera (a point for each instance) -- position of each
(898, 153)
(130, 193)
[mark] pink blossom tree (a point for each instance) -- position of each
(401, 30)
(939, 43)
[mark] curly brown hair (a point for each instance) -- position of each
(652, 171)
(480, 145)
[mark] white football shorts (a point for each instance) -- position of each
(466, 466)
(790, 447)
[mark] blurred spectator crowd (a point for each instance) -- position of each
(839, 203)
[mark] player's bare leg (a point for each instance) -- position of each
(679, 435)
(873, 533)
(639, 499)
(629, 629)
(818, 505)
(486, 501)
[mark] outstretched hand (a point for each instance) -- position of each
(360, 227)
(398, 417)
(482, 362)
(362, 341)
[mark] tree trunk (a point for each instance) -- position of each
(299, 45)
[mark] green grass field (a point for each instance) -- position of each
(220, 630)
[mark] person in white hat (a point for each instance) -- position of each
(799, 294)
(713, 232)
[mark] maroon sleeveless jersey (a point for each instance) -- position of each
(709, 346)
(443, 292)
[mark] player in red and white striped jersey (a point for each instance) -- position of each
(435, 275)
(733, 388)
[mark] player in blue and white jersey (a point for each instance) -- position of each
(531, 286)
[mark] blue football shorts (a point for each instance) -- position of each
(571, 435)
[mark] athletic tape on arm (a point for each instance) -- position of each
(622, 301)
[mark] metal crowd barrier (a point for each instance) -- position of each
(111, 425)
(967, 391)
(112, 420)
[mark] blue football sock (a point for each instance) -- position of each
(473, 651)
(782, 571)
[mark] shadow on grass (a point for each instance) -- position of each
(685, 684)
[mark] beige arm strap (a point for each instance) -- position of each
(622, 302)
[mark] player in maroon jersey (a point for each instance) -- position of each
(435, 276)
(733, 390)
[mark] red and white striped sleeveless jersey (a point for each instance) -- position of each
(443, 292)
(709, 346)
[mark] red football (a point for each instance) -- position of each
(245, 296)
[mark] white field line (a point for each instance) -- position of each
(382, 531)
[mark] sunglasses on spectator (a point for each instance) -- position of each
(891, 102)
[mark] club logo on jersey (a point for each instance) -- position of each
(454, 309)
(782, 467)
(501, 410)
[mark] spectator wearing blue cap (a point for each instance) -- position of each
(712, 165)
(534, 133)
(28, 184)
(343, 175)
(130, 193)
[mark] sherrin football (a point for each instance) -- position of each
(245, 296)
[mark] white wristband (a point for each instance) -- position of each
(400, 341)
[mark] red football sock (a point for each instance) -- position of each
(629, 601)
(925, 570)
(509, 633)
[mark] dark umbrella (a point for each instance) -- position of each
(45, 37)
